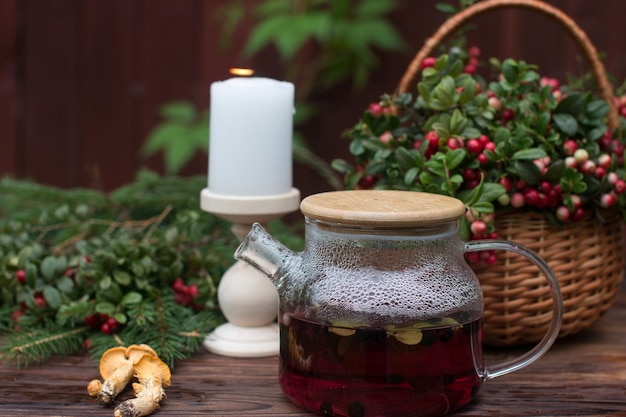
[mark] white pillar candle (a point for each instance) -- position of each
(250, 137)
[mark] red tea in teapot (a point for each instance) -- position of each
(357, 334)
(429, 368)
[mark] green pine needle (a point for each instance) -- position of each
(173, 331)
(25, 348)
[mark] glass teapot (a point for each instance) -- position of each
(380, 315)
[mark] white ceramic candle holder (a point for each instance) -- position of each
(247, 298)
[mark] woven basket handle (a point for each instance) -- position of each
(453, 23)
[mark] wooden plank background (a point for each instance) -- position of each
(81, 82)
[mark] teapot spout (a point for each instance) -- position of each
(263, 252)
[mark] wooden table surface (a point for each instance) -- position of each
(582, 375)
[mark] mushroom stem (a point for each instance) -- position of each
(94, 387)
(152, 374)
(117, 369)
(147, 400)
(115, 383)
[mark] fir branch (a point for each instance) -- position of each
(156, 222)
(75, 312)
(172, 330)
(110, 265)
(5, 317)
(26, 347)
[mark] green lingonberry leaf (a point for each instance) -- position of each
(530, 154)
(571, 104)
(484, 207)
(455, 158)
(566, 123)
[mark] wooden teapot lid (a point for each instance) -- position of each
(382, 208)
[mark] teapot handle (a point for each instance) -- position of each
(502, 368)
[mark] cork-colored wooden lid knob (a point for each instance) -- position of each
(382, 208)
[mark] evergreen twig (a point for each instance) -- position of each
(27, 347)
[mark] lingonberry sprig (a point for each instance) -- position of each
(520, 142)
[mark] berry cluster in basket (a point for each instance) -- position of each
(521, 141)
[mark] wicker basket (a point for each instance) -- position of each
(586, 258)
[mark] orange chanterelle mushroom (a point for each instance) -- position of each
(117, 367)
(152, 375)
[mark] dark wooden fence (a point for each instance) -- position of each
(81, 81)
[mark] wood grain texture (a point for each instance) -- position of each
(383, 208)
(583, 375)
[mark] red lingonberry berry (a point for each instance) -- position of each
(478, 227)
(470, 185)
(178, 285)
(508, 114)
(20, 275)
(15, 316)
(433, 140)
(588, 167)
(454, 143)
(367, 182)
(113, 324)
(474, 146)
(543, 201)
(429, 61)
(562, 213)
(604, 160)
(192, 290)
(569, 147)
(92, 320)
(619, 186)
(105, 328)
(599, 172)
(577, 202)
(482, 158)
(605, 141)
(495, 103)
(578, 214)
(40, 302)
(554, 196)
(540, 164)
(507, 183)
(553, 83)
(616, 147)
(607, 200)
(469, 174)
(531, 196)
(470, 69)
(490, 146)
(375, 109)
(182, 298)
(473, 51)
(473, 257)
(545, 186)
(471, 215)
(491, 259)
(386, 137)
